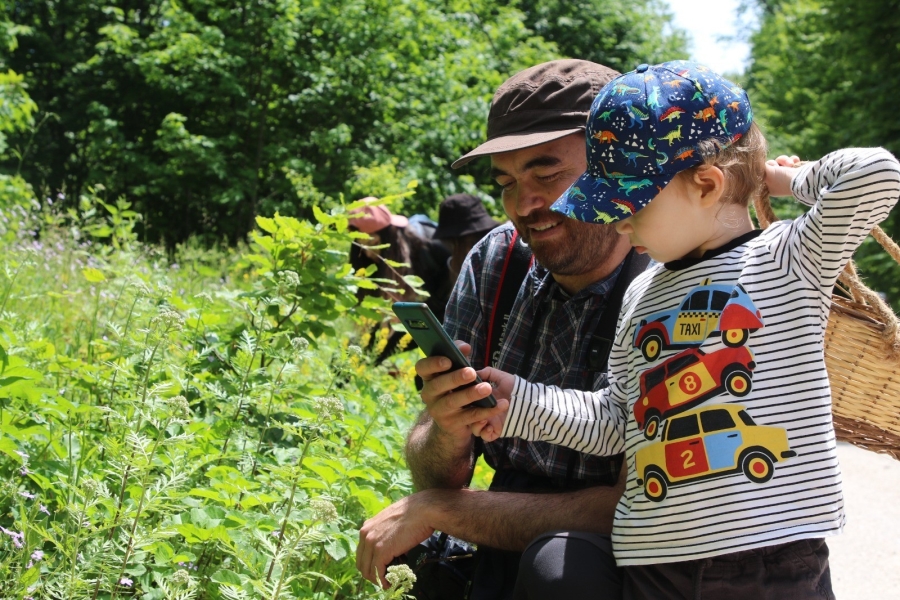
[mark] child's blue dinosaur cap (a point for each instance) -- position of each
(643, 129)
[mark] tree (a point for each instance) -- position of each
(206, 113)
(17, 111)
(616, 34)
(824, 76)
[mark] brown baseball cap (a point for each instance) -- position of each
(541, 104)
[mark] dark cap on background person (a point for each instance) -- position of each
(541, 104)
(372, 219)
(463, 214)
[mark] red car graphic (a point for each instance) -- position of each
(689, 378)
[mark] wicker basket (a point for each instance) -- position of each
(862, 354)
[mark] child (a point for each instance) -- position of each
(717, 392)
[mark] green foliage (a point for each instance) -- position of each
(16, 106)
(197, 428)
(822, 78)
(16, 198)
(207, 113)
(619, 35)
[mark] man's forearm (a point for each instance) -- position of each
(509, 521)
(437, 460)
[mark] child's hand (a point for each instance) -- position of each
(490, 426)
(779, 174)
(490, 429)
(501, 381)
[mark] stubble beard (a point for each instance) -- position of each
(583, 248)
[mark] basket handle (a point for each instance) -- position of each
(849, 277)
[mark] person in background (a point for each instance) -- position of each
(462, 221)
(409, 242)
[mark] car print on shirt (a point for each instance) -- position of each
(713, 441)
(707, 309)
(689, 378)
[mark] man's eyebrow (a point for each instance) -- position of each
(544, 160)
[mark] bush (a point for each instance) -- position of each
(196, 427)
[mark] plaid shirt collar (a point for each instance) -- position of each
(544, 287)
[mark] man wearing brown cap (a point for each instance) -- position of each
(555, 504)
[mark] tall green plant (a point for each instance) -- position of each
(193, 429)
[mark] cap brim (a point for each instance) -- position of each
(399, 220)
(604, 200)
(508, 143)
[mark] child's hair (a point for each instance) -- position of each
(743, 163)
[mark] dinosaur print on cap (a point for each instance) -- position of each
(643, 129)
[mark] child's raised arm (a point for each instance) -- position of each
(849, 192)
(780, 173)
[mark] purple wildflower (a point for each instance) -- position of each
(27, 495)
(44, 510)
(126, 582)
(37, 555)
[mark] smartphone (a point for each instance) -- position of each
(433, 340)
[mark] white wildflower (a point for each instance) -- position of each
(401, 577)
(328, 407)
(323, 510)
(289, 278)
(181, 578)
(179, 405)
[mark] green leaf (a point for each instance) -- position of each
(414, 280)
(366, 284)
(223, 576)
(336, 549)
(9, 448)
(93, 275)
(371, 501)
(267, 225)
(163, 553)
(321, 217)
(204, 493)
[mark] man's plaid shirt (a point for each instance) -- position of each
(556, 353)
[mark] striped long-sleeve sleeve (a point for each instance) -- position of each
(589, 422)
(849, 191)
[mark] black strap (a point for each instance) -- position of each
(605, 332)
(515, 268)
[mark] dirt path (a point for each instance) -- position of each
(865, 559)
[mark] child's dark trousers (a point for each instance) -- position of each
(792, 571)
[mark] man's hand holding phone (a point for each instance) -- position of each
(446, 401)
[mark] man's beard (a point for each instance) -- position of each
(584, 247)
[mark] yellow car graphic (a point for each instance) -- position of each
(709, 442)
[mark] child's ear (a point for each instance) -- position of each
(710, 183)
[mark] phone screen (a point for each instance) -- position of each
(433, 340)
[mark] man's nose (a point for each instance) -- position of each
(529, 199)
